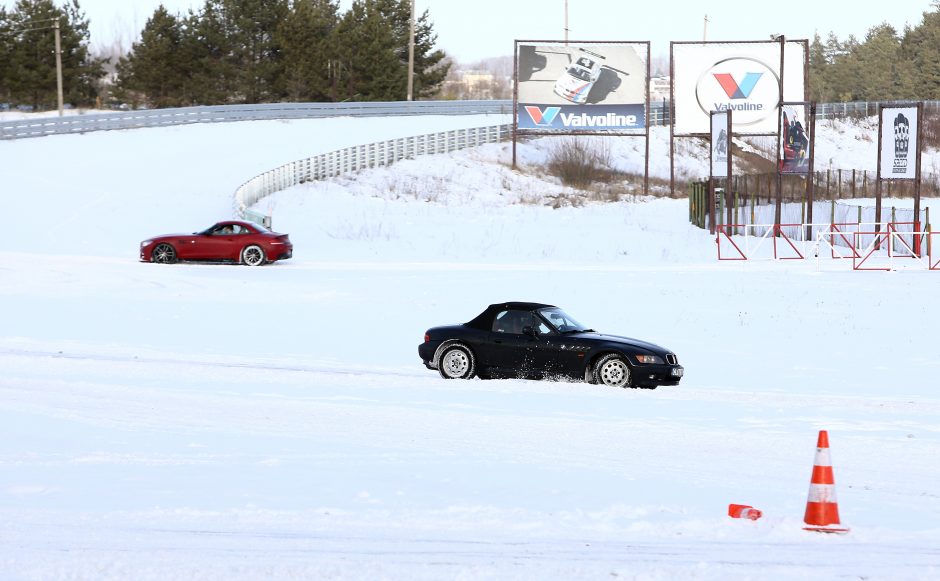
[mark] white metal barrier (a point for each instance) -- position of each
(357, 157)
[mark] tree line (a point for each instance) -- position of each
(227, 51)
(886, 65)
(262, 51)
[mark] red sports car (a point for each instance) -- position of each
(229, 241)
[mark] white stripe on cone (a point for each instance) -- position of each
(822, 457)
(822, 493)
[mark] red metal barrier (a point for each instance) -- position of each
(879, 239)
(724, 231)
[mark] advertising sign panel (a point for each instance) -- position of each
(720, 144)
(586, 87)
(795, 140)
(899, 143)
(743, 77)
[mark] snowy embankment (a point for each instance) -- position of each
(205, 421)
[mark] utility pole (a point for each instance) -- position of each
(566, 22)
(58, 64)
(411, 54)
(705, 29)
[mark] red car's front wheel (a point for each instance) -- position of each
(163, 254)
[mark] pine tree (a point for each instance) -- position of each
(921, 48)
(205, 49)
(818, 71)
(6, 50)
(375, 36)
(431, 66)
(31, 68)
(877, 65)
(256, 54)
(308, 49)
(369, 66)
(152, 67)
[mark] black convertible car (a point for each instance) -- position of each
(535, 341)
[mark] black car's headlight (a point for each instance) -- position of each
(649, 359)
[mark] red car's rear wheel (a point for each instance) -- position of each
(253, 255)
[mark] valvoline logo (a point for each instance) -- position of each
(540, 117)
(734, 89)
(745, 85)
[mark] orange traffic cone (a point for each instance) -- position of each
(822, 510)
(744, 511)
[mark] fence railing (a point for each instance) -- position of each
(357, 157)
(40, 126)
(83, 123)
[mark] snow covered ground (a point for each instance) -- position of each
(224, 422)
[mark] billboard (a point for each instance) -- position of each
(795, 141)
(743, 77)
(720, 143)
(899, 142)
(581, 87)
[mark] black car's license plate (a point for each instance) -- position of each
(678, 371)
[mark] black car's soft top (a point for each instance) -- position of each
(484, 321)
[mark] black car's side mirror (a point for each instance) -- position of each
(530, 331)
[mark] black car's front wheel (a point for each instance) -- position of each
(612, 370)
(456, 362)
(163, 254)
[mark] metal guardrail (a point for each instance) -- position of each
(357, 157)
(42, 126)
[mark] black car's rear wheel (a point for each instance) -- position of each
(456, 362)
(253, 255)
(612, 370)
(163, 254)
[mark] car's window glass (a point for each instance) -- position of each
(239, 229)
(579, 73)
(513, 321)
(542, 327)
(561, 320)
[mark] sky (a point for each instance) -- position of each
(489, 28)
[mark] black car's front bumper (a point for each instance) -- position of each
(656, 375)
(426, 351)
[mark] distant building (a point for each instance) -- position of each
(476, 84)
(659, 88)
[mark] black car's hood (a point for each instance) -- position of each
(595, 336)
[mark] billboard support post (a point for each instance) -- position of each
(920, 136)
(810, 176)
(672, 124)
(779, 197)
(515, 99)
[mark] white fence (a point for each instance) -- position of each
(357, 157)
(83, 123)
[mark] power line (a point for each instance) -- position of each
(19, 32)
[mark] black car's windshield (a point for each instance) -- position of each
(562, 321)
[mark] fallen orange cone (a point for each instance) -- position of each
(822, 510)
(744, 511)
